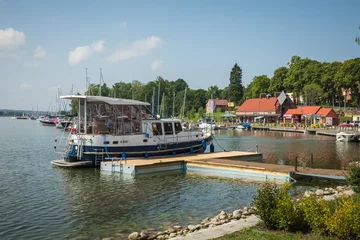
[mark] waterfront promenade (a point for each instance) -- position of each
(329, 131)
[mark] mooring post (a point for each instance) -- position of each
(257, 148)
(312, 161)
(296, 163)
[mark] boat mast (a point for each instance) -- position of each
(86, 82)
(101, 81)
(173, 112)
(183, 108)
(158, 99)
(152, 102)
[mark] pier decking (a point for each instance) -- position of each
(227, 164)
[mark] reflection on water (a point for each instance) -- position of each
(39, 201)
(283, 147)
(104, 204)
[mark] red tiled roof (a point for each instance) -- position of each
(303, 110)
(324, 111)
(257, 104)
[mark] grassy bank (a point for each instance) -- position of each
(259, 233)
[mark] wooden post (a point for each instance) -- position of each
(296, 163)
(312, 160)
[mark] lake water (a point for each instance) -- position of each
(39, 201)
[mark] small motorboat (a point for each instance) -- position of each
(347, 137)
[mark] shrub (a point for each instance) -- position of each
(265, 203)
(316, 212)
(277, 210)
(345, 222)
(353, 178)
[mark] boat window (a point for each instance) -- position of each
(168, 128)
(157, 128)
(178, 127)
(115, 142)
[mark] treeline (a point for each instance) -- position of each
(171, 98)
(320, 83)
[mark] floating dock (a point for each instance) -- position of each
(232, 164)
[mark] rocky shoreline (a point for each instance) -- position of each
(330, 194)
(223, 217)
(177, 231)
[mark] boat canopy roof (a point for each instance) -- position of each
(108, 100)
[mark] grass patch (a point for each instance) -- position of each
(258, 233)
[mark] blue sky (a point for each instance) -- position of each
(45, 45)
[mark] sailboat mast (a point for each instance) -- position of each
(100, 82)
(86, 82)
(173, 112)
(158, 99)
(152, 102)
(183, 108)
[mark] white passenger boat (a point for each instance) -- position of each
(347, 137)
(122, 128)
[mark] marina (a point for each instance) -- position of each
(75, 200)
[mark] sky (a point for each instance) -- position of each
(45, 45)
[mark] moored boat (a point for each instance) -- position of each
(111, 128)
(347, 137)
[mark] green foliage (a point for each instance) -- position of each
(317, 125)
(236, 89)
(317, 212)
(277, 81)
(353, 178)
(345, 223)
(275, 207)
(312, 93)
(260, 84)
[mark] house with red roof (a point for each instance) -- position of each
(266, 107)
(316, 113)
(328, 116)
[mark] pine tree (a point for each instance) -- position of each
(236, 89)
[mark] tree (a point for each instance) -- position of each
(330, 82)
(259, 84)
(236, 89)
(277, 81)
(213, 92)
(312, 94)
(357, 39)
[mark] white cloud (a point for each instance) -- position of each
(84, 52)
(39, 53)
(136, 49)
(25, 86)
(123, 25)
(10, 38)
(32, 64)
(157, 65)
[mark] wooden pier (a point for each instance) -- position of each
(232, 164)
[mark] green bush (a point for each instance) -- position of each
(345, 223)
(353, 178)
(317, 212)
(277, 210)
